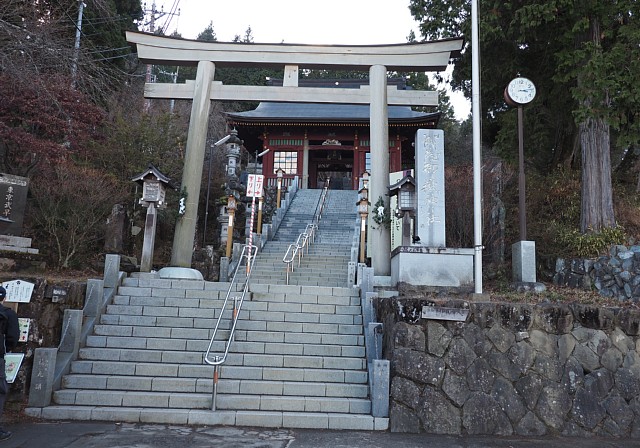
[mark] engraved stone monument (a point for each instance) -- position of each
(427, 261)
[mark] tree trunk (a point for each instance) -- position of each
(597, 197)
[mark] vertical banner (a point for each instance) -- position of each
(430, 216)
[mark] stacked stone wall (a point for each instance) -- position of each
(513, 369)
(615, 275)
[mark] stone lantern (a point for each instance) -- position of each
(232, 152)
(365, 179)
(154, 185)
(363, 210)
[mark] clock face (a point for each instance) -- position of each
(521, 90)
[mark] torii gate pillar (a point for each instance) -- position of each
(379, 136)
(185, 232)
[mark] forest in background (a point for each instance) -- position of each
(74, 121)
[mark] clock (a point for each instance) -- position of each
(519, 91)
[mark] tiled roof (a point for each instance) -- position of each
(269, 111)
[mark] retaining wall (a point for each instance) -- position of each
(513, 369)
(615, 275)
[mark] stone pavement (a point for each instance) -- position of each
(114, 435)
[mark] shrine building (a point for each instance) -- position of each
(320, 141)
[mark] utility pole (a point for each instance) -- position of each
(76, 46)
(155, 14)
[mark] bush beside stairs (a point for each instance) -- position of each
(297, 360)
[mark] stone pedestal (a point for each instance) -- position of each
(432, 266)
(523, 260)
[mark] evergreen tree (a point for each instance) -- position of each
(584, 59)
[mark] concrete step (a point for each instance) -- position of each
(242, 390)
(322, 323)
(236, 387)
(352, 345)
(228, 372)
(202, 417)
(123, 359)
(209, 309)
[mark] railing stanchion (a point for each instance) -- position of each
(250, 252)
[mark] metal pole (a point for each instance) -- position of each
(521, 178)
(214, 392)
(477, 154)
(253, 211)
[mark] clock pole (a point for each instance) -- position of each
(521, 178)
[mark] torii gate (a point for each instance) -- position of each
(377, 59)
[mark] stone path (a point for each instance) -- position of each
(110, 435)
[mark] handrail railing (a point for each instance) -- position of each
(296, 250)
(317, 216)
(249, 252)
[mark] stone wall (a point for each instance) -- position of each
(616, 275)
(45, 329)
(513, 369)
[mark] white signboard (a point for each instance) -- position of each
(24, 323)
(18, 291)
(440, 313)
(255, 185)
(12, 365)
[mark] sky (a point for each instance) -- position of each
(323, 22)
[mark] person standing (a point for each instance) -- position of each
(9, 336)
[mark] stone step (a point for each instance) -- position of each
(242, 390)
(324, 324)
(336, 328)
(195, 289)
(255, 301)
(309, 312)
(201, 417)
(237, 359)
(172, 370)
(352, 345)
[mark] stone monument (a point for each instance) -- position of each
(427, 261)
(13, 190)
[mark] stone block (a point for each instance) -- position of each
(431, 266)
(42, 377)
(308, 420)
(523, 259)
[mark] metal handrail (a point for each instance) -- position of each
(248, 252)
(304, 240)
(317, 216)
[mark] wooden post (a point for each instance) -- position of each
(259, 229)
(230, 233)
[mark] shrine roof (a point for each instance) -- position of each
(268, 112)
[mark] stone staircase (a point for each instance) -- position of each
(326, 262)
(297, 360)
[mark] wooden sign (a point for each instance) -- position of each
(441, 313)
(255, 185)
(18, 291)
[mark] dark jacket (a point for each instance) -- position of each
(11, 329)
